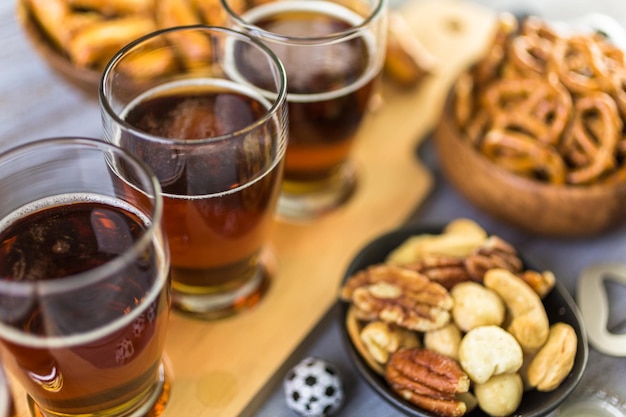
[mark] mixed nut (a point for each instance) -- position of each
(454, 321)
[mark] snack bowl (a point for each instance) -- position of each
(558, 303)
(530, 137)
(542, 208)
(86, 79)
(78, 41)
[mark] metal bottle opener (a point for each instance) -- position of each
(593, 302)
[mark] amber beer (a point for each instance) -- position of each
(99, 351)
(217, 207)
(329, 85)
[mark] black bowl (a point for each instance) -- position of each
(558, 303)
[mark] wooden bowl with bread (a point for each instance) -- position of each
(77, 38)
(84, 78)
(534, 132)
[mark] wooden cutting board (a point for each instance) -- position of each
(221, 367)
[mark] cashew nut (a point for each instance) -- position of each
(529, 322)
(555, 359)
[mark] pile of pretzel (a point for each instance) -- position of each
(90, 32)
(547, 105)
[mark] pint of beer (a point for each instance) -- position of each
(84, 294)
(215, 137)
(333, 53)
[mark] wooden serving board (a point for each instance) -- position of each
(220, 368)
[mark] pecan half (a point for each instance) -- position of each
(493, 253)
(400, 296)
(446, 270)
(428, 379)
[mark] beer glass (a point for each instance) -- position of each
(205, 107)
(6, 401)
(84, 300)
(333, 53)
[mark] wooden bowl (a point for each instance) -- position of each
(537, 207)
(83, 78)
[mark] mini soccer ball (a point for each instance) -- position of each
(313, 388)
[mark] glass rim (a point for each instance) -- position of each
(348, 33)
(88, 277)
(5, 394)
(279, 97)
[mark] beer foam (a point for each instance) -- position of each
(70, 198)
(63, 284)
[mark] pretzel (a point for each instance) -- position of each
(547, 106)
(580, 65)
(531, 55)
(611, 55)
(535, 26)
(473, 120)
(48, 14)
(520, 153)
(592, 141)
(619, 92)
(90, 32)
(464, 98)
(478, 127)
(113, 7)
(94, 44)
(529, 52)
(615, 177)
(536, 106)
(507, 94)
(489, 67)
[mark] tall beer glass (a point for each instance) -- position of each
(184, 101)
(333, 53)
(84, 295)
